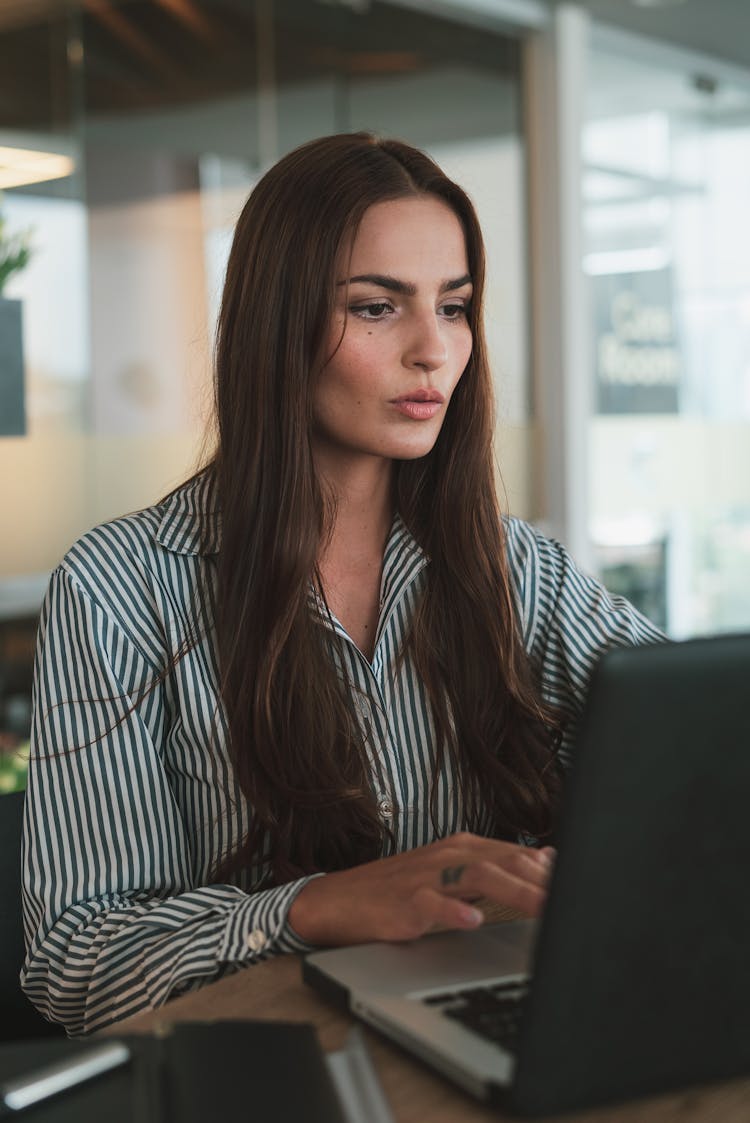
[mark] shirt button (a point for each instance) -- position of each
(257, 940)
(385, 807)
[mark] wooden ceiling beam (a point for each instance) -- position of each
(188, 13)
(131, 37)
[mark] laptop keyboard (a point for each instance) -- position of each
(494, 1012)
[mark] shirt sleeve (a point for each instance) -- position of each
(568, 619)
(115, 918)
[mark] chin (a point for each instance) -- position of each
(415, 448)
(412, 450)
(415, 454)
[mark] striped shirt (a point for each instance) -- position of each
(132, 797)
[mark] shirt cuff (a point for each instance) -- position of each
(260, 925)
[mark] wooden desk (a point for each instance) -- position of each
(274, 990)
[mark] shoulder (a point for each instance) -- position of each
(536, 567)
(527, 547)
(181, 524)
(122, 563)
(554, 596)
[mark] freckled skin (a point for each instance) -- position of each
(393, 342)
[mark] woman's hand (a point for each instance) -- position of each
(402, 897)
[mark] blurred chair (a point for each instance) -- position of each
(19, 1018)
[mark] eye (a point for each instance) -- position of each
(454, 311)
(376, 310)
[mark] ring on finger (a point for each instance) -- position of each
(451, 875)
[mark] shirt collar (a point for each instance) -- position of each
(402, 560)
(190, 522)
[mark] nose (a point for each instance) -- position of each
(425, 346)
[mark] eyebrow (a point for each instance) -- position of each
(405, 288)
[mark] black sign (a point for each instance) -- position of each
(637, 358)
(12, 411)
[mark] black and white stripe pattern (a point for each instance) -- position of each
(131, 796)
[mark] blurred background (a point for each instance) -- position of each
(606, 145)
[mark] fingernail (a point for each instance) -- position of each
(471, 916)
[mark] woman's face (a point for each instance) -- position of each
(400, 336)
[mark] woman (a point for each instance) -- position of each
(326, 654)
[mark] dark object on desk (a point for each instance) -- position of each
(640, 975)
(43, 1082)
(271, 1072)
(113, 1096)
(19, 1018)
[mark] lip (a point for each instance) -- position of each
(421, 394)
(417, 410)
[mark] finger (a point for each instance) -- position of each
(534, 865)
(463, 848)
(433, 911)
(466, 879)
(451, 876)
(506, 887)
(520, 887)
(527, 861)
(513, 887)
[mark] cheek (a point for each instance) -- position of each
(351, 367)
(342, 382)
(462, 354)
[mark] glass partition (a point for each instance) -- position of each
(44, 368)
(667, 174)
(44, 349)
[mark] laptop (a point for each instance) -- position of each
(636, 980)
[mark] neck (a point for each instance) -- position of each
(363, 493)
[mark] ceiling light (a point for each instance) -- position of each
(657, 3)
(19, 166)
(362, 7)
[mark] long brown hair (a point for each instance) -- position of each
(294, 737)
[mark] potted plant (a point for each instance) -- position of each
(15, 254)
(15, 251)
